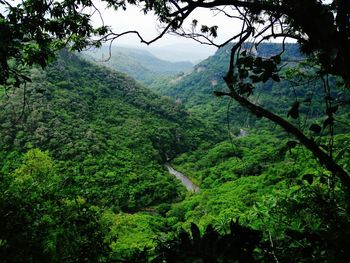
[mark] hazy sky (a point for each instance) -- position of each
(148, 26)
(134, 19)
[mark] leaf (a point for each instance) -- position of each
(185, 239)
(243, 73)
(291, 144)
(340, 154)
(257, 70)
(258, 62)
(209, 229)
(265, 76)
(315, 128)
(255, 78)
(294, 111)
(195, 232)
(309, 178)
(329, 121)
(220, 93)
(332, 110)
(323, 179)
(269, 65)
(277, 59)
(213, 31)
(204, 29)
(324, 147)
(328, 97)
(245, 88)
(240, 61)
(275, 77)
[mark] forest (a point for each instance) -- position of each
(88, 146)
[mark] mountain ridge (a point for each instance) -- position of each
(140, 64)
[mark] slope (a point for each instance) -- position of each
(196, 90)
(138, 63)
(109, 134)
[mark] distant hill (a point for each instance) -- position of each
(193, 52)
(195, 90)
(137, 63)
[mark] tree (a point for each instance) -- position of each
(38, 223)
(236, 246)
(33, 30)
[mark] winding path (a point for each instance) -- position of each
(183, 178)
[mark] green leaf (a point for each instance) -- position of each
(257, 71)
(323, 179)
(255, 78)
(291, 144)
(332, 110)
(243, 73)
(277, 59)
(294, 111)
(220, 94)
(258, 62)
(275, 77)
(195, 232)
(213, 31)
(265, 76)
(329, 121)
(309, 178)
(204, 29)
(315, 128)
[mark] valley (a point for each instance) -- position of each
(106, 160)
(183, 178)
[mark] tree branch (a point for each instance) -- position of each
(256, 5)
(323, 157)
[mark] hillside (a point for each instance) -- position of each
(87, 113)
(191, 51)
(137, 63)
(195, 90)
(92, 139)
(82, 164)
(126, 155)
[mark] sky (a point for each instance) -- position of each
(148, 26)
(134, 19)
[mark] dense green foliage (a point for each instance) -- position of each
(105, 139)
(82, 147)
(39, 221)
(102, 126)
(284, 193)
(81, 172)
(298, 83)
(196, 90)
(236, 246)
